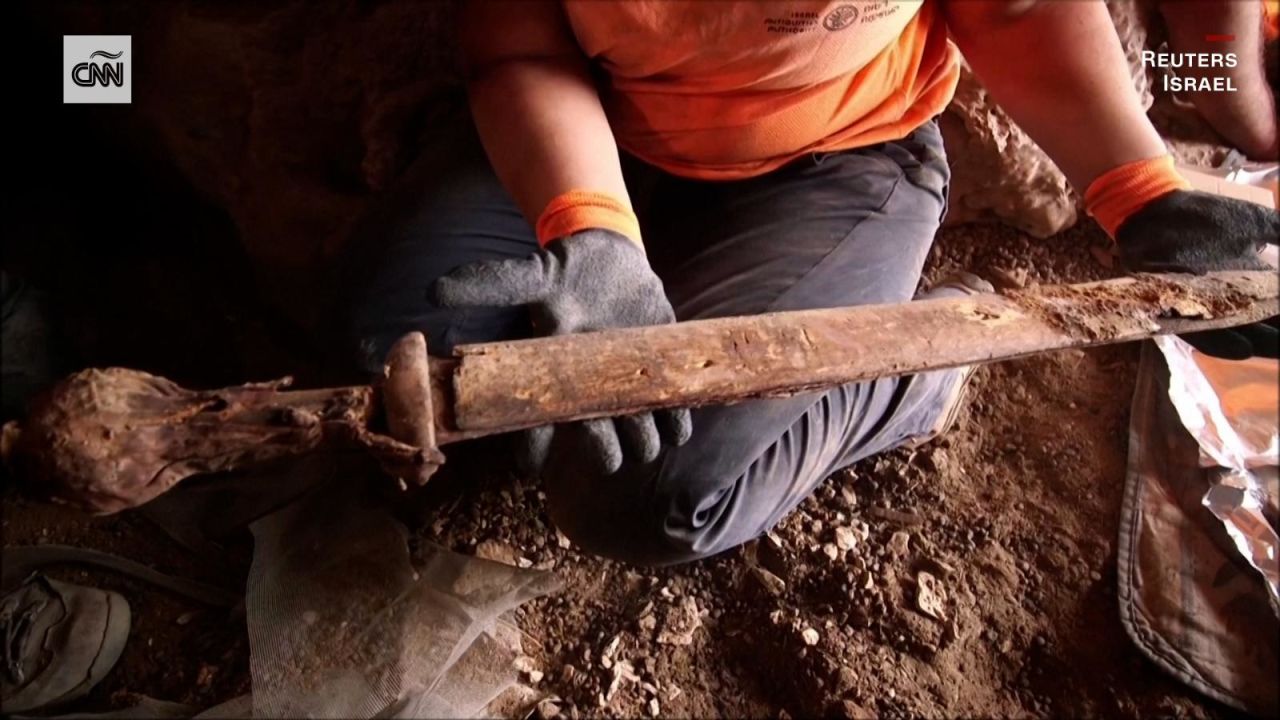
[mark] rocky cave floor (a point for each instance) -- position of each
(972, 577)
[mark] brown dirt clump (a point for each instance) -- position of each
(1101, 312)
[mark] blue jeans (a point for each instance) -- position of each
(827, 230)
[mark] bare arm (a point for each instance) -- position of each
(533, 101)
(1247, 117)
(1058, 69)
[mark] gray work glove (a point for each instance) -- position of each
(1196, 232)
(590, 280)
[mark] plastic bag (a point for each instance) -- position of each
(342, 624)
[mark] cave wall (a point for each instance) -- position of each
(288, 115)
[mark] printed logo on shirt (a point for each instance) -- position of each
(840, 18)
(793, 23)
(879, 10)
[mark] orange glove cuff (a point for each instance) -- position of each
(1123, 191)
(579, 210)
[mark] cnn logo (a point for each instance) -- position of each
(88, 74)
(96, 68)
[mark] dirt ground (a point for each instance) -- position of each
(972, 577)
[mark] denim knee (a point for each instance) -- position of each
(630, 518)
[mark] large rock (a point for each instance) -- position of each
(998, 172)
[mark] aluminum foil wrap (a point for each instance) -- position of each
(1230, 408)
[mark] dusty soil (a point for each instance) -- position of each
(972, 577)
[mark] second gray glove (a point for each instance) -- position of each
(1196, 232)
(590, 280)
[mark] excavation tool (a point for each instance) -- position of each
(111, 439)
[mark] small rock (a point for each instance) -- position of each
(899, 543)
(622, 672)
(547, 709)
(862, 530)
(849, 497)
(204, 677)
(562, 540)
(845, 538)
(930, 596)
(935, 461)
(612, 647)
(654, 707)
(535, 677)
(846, 680)
(646, 610)
(679, 622)
(775, 559)
(854, 711)
(831, 551)
(497, 551)
(772, 583)
(945, 568)
(809, 636)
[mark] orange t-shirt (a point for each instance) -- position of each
(726, 89)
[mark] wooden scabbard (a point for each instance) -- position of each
(502, 386)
